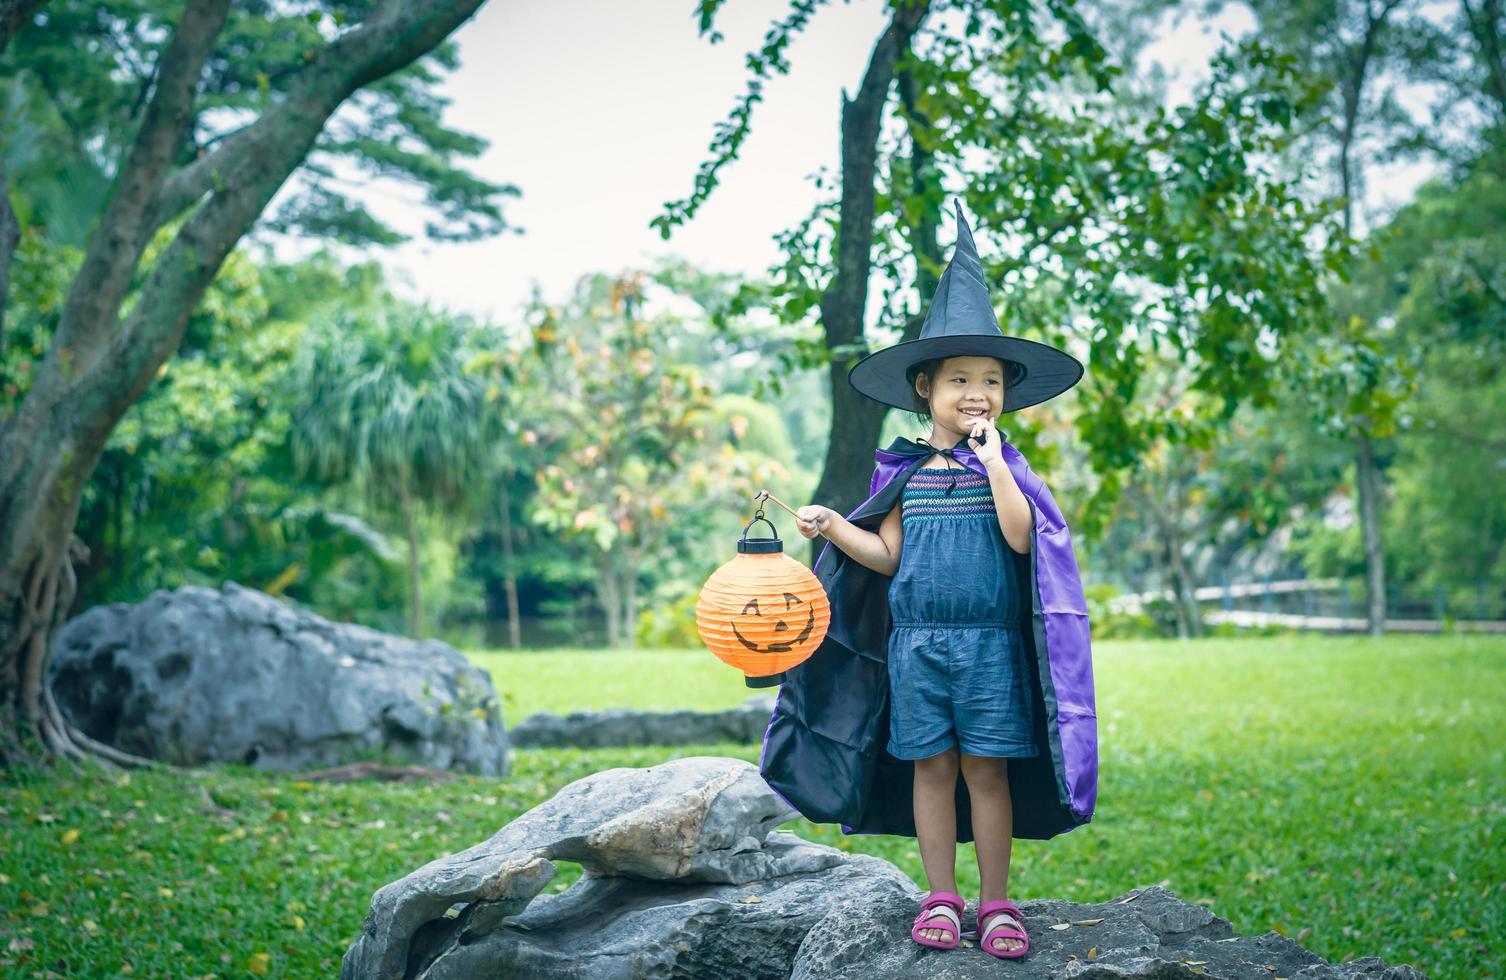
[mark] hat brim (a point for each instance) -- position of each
(1048, 371)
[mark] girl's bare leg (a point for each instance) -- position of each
(936, 823)
(993, 828)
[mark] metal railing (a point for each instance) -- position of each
(1338, 605)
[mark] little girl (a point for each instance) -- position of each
(986, 664)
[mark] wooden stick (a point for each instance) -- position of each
(764, 493)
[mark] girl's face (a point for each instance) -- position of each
(963, 389)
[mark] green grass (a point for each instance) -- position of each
(1349, 792)
(561, 681)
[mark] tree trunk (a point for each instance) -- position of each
(1367, 477)
(855, 420)
(415, 575)
(630, 600)
(99, 364)
(1492, 53)
(10, 236)
(609, 596)
(509, 571)
(1368, 482)
(1186, 585)
(1189, 620)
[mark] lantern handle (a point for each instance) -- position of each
(756, 518)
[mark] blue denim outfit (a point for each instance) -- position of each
(958, 671)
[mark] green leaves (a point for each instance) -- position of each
(390, 406)
(76, 86)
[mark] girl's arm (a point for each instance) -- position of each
(1010, 502)
(879, 552)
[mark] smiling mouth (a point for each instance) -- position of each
(975, 413)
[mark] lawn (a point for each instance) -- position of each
(1348, 792)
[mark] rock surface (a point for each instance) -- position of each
(233, 675)
(1146, 933)
(604, 729)
(683, 876)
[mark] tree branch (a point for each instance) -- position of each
(843, 303)
(91, 311)
(14, 15)
(10, 235)
(251, 167)
(93, 303)
(923, 180)
(44, 467)
(1482, 26)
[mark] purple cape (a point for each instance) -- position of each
(824, 750)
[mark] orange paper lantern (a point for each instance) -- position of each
(763, 612)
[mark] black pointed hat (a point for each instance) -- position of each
(961, 322)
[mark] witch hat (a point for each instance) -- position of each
(961, 321)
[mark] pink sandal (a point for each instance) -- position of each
(1008, 925)
(937, 907)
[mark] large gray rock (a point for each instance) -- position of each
(683, 877)
(604, 729)
(233, 675)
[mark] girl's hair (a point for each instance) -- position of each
(932, 365)
(929, 368)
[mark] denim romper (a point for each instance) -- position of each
(958, 671)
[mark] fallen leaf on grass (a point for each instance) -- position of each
(259, 963)
(1093, 952)
(1086, 922)
(1061, 925)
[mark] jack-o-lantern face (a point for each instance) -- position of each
(763, 613)
(758, 624)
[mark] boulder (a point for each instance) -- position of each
(201, 675)
(604, 729)
(683, 875)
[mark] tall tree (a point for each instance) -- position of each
(1117, 228)
(1360, 50)
(625, 426)
(104, 351)
(392, 407)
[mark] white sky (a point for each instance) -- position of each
(601, 111)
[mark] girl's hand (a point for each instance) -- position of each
(813, 519)
(990, 451)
